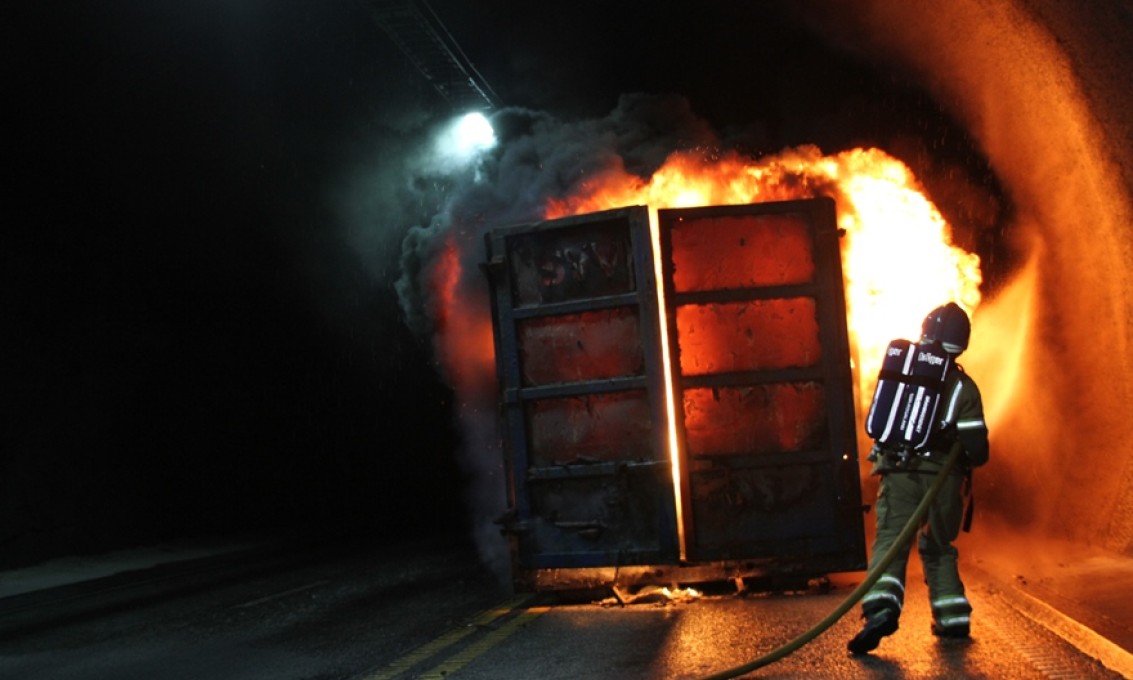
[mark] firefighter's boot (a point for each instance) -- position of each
(877, 626)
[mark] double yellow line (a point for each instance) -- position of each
(466, 655)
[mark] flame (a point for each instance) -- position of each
(670, 393)
(897, 258)
(464, 342)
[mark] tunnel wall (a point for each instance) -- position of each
(1043, 88)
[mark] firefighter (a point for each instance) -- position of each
(904, 482)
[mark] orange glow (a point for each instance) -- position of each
(464, 345)
(897, 258)
(1001, 342)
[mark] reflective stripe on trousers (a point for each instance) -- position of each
(952, 611)
(887, 593)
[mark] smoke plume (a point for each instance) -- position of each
(538, 157)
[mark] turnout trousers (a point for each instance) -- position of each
(898, 497)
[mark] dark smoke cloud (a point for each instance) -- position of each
(538, 157)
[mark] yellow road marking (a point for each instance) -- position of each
(450, 638)
(462, 659)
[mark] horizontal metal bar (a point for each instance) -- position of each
(749, 461)
(614, 219)
(589, 470)
(745, 294)
(577, 306)
(600, 558)
(575, 389)
(742, 378)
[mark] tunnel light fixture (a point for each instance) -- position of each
(465, 138)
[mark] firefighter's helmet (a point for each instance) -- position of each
(948, 325)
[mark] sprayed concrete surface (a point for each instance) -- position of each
(1082, 596)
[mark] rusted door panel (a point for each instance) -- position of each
(579, 366)
(755, 319)
(757, 326)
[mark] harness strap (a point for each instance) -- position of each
(917, 380)
(971, 505)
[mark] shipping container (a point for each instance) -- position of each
(755, 415)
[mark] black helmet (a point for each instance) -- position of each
(948, 325)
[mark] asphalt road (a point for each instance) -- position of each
(429, 610)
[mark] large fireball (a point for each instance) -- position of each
(897, 257)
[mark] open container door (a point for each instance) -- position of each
(579, 366)
(757, 327)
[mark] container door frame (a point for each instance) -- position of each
(538, 544)
(835, 466)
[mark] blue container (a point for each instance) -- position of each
(754, 317)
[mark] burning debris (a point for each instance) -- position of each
(661, 596)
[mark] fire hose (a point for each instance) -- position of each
(871, 578)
